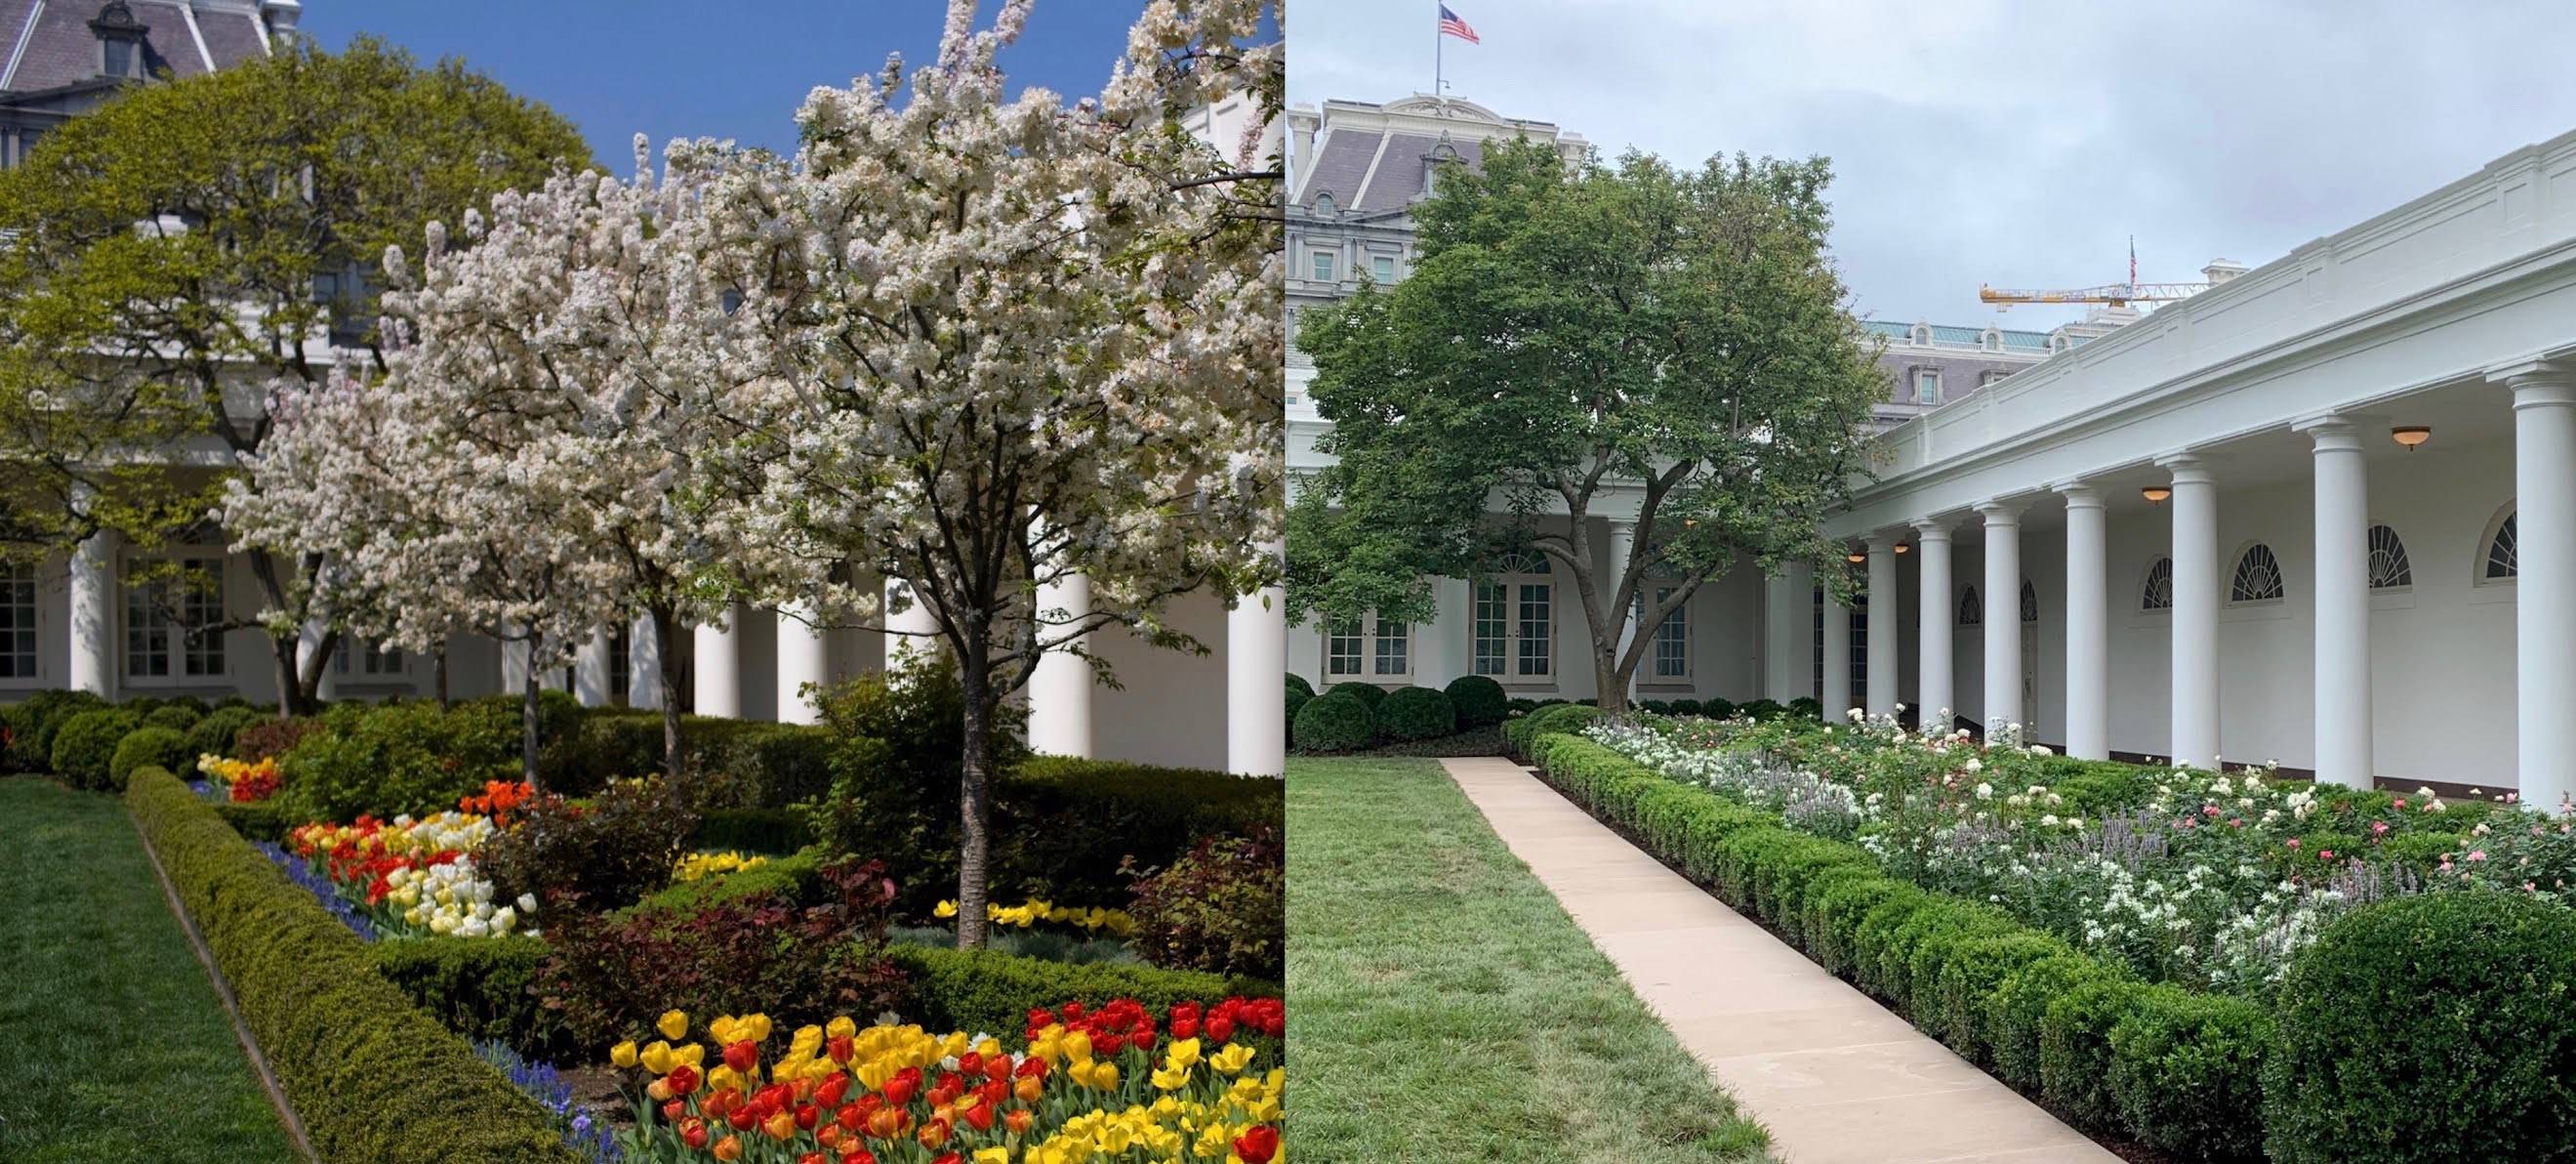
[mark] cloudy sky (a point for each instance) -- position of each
(2007, 142)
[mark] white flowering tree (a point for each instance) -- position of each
(1015, 340)
(554, 381)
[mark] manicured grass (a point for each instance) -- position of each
(1444, 1007)
(117, 1048)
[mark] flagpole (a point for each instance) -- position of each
(1437, 84)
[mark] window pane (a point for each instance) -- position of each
(147, 632)
(17, 622)
(1323, 266)
(1342, 647)
(201, 608)
(1493, 627)
(1534, 656)
(1391, 643)
(1672, 640)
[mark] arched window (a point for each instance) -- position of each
(1971, 611)
(2258, 576)
(1324, 205)
(1922, 336)
(2389, 569)
(1992, 340)
(2503, 562)
(1515, 619)
(2158, 593)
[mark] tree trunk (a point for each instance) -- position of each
(1607, 679)
(439, 660)
(975, 810)
(528, 720)
(290, 692)
(666, 659)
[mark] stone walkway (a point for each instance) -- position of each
(1834, 1075)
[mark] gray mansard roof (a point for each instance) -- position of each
(48, 45)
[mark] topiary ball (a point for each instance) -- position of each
(1759, 709)
(1297, 682)
(1417, 713)
(1478, 700)
(1334, 722)
(1367, 693)
(2435, 1027)
(1297, 700)
(214, 734)
(85, 745)
(1807, 707)
(177, 717)
(158, 747)
(1715, 708)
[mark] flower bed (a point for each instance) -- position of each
(413, 878)
(1194, 1083)
(2208, 880)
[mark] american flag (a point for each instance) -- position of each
(1450, 25)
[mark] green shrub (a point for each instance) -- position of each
(1479, 701)
(1367, 693)
(982, 990)
(1760, 709)
(158, 747)
(1297, 700)
(481, 988)
(45, 713)
(2075, 1048)
(2433, 1027)
(1297, 682)
(752, 830)
(1716, 708)
(396, 758)
(1968, 980)
(1222, 907)
(1807, 707)
(258, 820)
(374, 1080)
(1569, 718)
(1416, 713)
(775, 765)
(2187, 1073)
(605, 854)
(791, 878)
(1834, 916)
(85, 746)
(1334, 722)
(2016, 1010)
(1101, 815)
(177, 717)
(896, 761)
(270, 736)
(214, 734)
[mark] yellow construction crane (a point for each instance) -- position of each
(2115, 294)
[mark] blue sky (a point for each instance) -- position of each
(687, 69)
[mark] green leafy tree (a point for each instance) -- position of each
(195, 249)
(1581, 340)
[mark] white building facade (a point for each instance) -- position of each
(2323, 514)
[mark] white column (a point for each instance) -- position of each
(719, 666)
(1882, 624)
(643, 665)
(2544, 493)
(2088, 626)
(93, 637)
(2003, 615)
(1256, 659)
(804, 656)
(2342, 588)
(590, 672)
(1623, 549)
(914, 631)
(1802, 633)
(1932, 686)
(1060, 691)
(2195, 612)
(1837, 697)
(1778, 647)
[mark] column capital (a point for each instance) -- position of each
(1999, 511)
(1883, 541)
(1932, 529)
(2186, 467)
(2079, 494)
(2533, 372)
(2335, 431)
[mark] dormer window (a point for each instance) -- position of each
(1440, 155)
(1324, 205)
(1992, 340)
(120, 41)
(1922, 337)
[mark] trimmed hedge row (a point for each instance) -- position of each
(2180, 1071)
(481, 989)
(374, 1080)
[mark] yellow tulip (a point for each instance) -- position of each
(755, 1027)
(657, 1058)
(692, 1054)
(993, 1155)
(674, 1024)
(944, 909)
(841, 1027)
(623, 1054)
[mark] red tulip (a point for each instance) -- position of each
(1257, 1145)
(693, 1132)
(742, 1056)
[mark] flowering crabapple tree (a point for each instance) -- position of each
(1014, 341)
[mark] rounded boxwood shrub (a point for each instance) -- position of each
(1758, 709)
(2433, 1027)
(1478, 700)
(2013, 1013)
(1716, 708)
(1334, 722)
(1297, 700)
(214, 734)
(158, 747)
(1297, 682)
(1367, 693)
(1416, 713)
(44, 714)
(1805, 706)
(2187, 1073)
(2075, 1049)
(85, 746)
(177, 717)
(1570, 718)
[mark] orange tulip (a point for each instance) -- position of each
(729, 1148)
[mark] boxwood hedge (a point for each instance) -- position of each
(373, 1078)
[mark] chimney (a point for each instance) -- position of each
(1302, 120)
(2221, 270)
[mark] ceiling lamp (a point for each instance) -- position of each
(1901, 547)
(1855, 557)
(2411, 435)
(2155, 494)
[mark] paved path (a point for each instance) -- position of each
(1834, 1075)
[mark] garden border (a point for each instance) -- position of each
(2177, 1070)
(287, 1118)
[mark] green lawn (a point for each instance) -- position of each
(1444, 1007)
(116, 1046)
